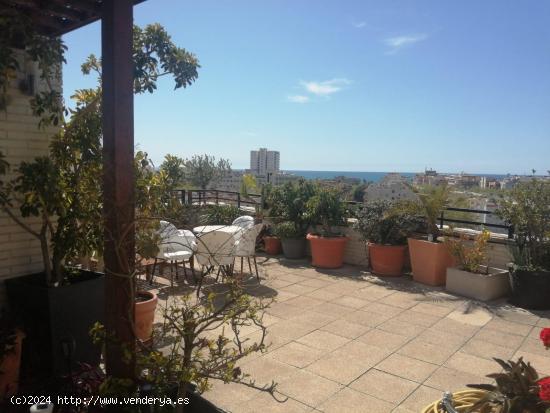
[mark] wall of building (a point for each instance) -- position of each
(20, 140)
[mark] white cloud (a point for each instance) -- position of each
(359, 25)
(327, 87)
(298, 98)
(397, 42)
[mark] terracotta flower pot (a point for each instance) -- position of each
(429, 261)
(272, 245)
(387, 259)
(146, 303)
(9, 368)
(327, 252)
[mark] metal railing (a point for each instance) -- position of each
(216, 196)
(449, 220)
(443, 220)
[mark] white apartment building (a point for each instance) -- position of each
(264, 161)
(393, 187)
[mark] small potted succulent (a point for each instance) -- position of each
(327, 211)
(386, 227)
(528, 210)
(473, 277)
(430, 258)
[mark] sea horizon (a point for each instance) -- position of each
(373, 176)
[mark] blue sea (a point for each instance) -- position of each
(367, 176)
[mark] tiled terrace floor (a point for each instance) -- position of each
(346, 341)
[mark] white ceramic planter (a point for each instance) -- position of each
(483, 287)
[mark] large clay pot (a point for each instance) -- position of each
(327, 252)
(9, 368)
(272, 245)
(146, 303)
(429, 261)
(387, 259)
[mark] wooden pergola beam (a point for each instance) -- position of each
(118, 184)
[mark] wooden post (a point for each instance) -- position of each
(118, 184)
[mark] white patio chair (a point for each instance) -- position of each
(175, 245)
(215, 249)
(245, 247)
(245, 221)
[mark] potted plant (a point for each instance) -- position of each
(386, 227)
(430, 257)
(11, 339)
(473, 277)
(292, 238)
(286, 205)
(272, 242)
(327, 210)
(182, 360)
(517, 388)
(59, 305)
(527, 209)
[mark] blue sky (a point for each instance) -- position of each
(350, 85)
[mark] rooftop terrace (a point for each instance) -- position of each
(347, 341)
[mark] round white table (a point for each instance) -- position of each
(230, 229)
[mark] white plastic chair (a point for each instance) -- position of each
(245, 221)
(245, 247)
(214, 249)
(175, 245)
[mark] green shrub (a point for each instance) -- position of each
(327, 210)
(385, 223)
(528, 210)
(288, 203)
(220, 215)
(287, 229)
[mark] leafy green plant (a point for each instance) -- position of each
(203, 170)
(432, 201)
(198, 342)
(63, 189)
(288, 203)
(516, 390)
(220, 215)
(383, 222)
(288, 230)
(470, 258)
(527, 209)
(174, 168)
(327, 210)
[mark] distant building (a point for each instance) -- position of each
(429, 177)
(393, 187)
(488, 183)
(264, 166)
(263, 161)
(467, 181)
